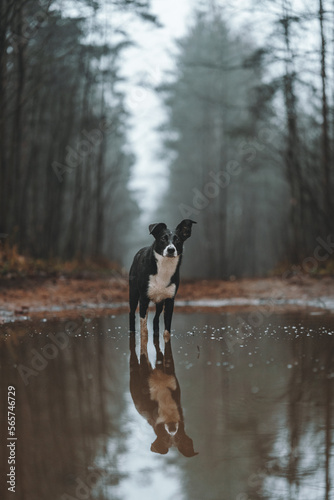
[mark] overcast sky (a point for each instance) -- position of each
(145, 66)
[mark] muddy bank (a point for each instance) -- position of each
(64, 296)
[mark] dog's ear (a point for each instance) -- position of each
(159, 447)
(184, 228)
(186, 447)
(155, 229)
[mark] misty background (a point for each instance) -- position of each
(119, 113)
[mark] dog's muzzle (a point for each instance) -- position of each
(172, 428)
(170, 251)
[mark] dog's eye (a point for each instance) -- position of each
(176, 239)
(164, 238)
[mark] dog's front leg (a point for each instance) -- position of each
(168, 314)
(143, 310)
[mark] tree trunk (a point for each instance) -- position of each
(292, 156)
(17, 143)
(325, 157)
(4, 12)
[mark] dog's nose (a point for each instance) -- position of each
(170, 250)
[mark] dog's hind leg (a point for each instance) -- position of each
(168, 360)
(133, 300)
(158, 310)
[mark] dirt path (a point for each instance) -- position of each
(63, 296)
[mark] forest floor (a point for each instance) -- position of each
(68, 296)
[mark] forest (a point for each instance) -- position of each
(118, 115)
(64, 167)
(248, 133)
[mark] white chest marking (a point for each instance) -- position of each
(159, 287)
(161, 385)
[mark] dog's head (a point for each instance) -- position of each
(170, 243)
(166, 439)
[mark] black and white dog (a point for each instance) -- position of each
(154, 275)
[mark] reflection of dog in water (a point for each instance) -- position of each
(156, 395)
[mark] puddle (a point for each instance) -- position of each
(253, 398)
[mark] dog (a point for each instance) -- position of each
(155, 275)
(156, 395)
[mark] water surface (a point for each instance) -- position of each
(257, 404)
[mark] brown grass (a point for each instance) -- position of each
(14, 264)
